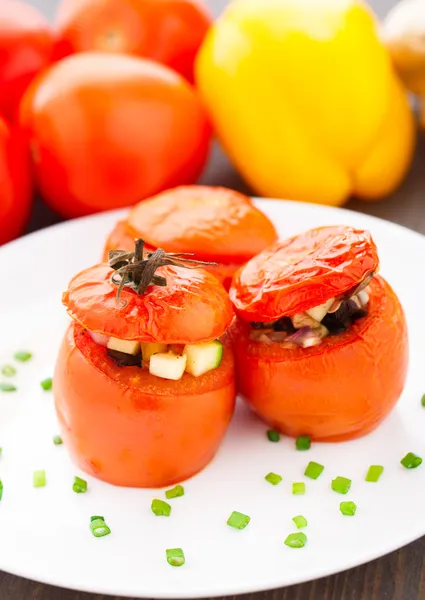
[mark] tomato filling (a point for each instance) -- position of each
(309, 328)
(168, 361)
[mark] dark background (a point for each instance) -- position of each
(398, 576)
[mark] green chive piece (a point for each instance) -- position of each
(348, 508)
(313, 470)
(7, 387)
(39, 479)
(175, 492)
(99, 528)
(22, 356)
(1, 451)
(341, 485)
(175, 557)
(374, 473)
(298, 488)
(303, 442)
(422, 400)
(273, 435)
(57, 440)
(1, 489)
(8, 371)
(411, 461)
(300, 521)
(296, 540)
(47, 384)
(96, 518)
(273, 478)
(238, 520)
(79, 486)
(160, 508)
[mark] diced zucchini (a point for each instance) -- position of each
(319, 312)
(148, 350)
(167, 365)
(203, 357)
(126, 346)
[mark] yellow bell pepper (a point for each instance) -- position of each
(305, 101)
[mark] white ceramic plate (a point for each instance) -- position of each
(45, 532)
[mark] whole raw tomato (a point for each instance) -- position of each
(26, 47)
(15, 184)
(168, 31)
(107, 131)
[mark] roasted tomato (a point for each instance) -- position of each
(214, 223)
(169, 31)
(107, 131)
(321, 343)
(127, 415)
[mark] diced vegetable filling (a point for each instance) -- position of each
(168, 361)
(311, 327)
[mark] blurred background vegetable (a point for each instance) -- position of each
(26, 46)
(168, 31)
(305, 101)
(106, 131)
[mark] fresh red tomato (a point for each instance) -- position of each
(15, 184)
(214, 223)
(26, 47)
(124, 424)
(303, 271)
(107, 131)
(345, 384)
(168, 31)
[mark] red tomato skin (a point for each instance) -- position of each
(26, 47)
(339, 390)
(167, 31)
(193, 307)
(138, 430)
(304, 271)
(15, 183)
(132, 128)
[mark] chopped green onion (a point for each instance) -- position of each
(298, 488)
(1, 489)
(374, 473)
(303, 442)
(99, 528)
(300, 521)
(57, 440)
(423, 400)
(175, 557)
(80, 485)
(348, 508)
(7, 387)
(47, 384)
(273, 478)
(1, 451)
(175, 492)
(160, 508)
(22, 356)
(96, 518)
(341, 485)
(238, 520)
(39, 479)
(8, 371)
(273, 435)
(411, 461)
(313, 470)
(296, 540)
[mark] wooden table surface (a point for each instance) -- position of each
(398, 576)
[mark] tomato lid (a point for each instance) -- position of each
(214, 223)
(304, 271)
(193, 306)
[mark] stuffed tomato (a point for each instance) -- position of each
(144, 381)
(214, 223)
(320, 343)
